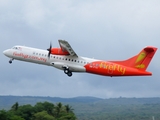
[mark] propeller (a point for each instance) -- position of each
(49, 50)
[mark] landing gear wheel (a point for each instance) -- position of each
(66, 71)
(10, 61)
(69, 74)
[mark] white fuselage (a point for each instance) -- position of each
(39, 56)
(69, 61)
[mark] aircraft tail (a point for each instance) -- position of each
(141, 60)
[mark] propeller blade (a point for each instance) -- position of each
(49, 50)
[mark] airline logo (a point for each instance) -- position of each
(140, 58)
(25, 56)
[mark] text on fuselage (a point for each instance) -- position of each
(25, 56)
(112, 67)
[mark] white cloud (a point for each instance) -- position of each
(34, 13)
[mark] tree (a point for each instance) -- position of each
(3, 115)
(15, 117)
(41, 111)
(68, 109)
(8, 115)
(44, 106)
(58, 110)
(69, 116)
(15, 107)
(64, 112)
(43, 116)
(25, 111)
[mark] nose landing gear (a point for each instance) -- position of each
(10, 61)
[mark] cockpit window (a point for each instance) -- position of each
(16, 48)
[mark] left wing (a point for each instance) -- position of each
(65, 46)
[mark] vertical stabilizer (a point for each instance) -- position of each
(141, 60)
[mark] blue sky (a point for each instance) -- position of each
(108, 30)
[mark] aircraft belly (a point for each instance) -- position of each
(73, 68)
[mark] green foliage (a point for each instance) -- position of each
(49, 107)
(43, 116)
(68, 108)
(3, 115)
(63, 112)
(41, 111)
(15, 117)
(15, 107)
(118, 112)
(85, 108)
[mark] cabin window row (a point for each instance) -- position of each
(73, 60)
(39, 54)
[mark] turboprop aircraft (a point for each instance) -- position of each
(66, 59)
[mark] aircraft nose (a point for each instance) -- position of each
(5, 52)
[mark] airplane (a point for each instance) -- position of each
(66, 59)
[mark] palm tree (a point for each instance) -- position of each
(68, 109)
(58, 109)
(15, 106)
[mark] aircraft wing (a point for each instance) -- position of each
(65, 46)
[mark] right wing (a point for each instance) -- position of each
(65, 46)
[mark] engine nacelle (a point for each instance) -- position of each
(58, 51)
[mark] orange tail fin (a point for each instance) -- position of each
(140, 61)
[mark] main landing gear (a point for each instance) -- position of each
(68, 72)
(10, 61)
